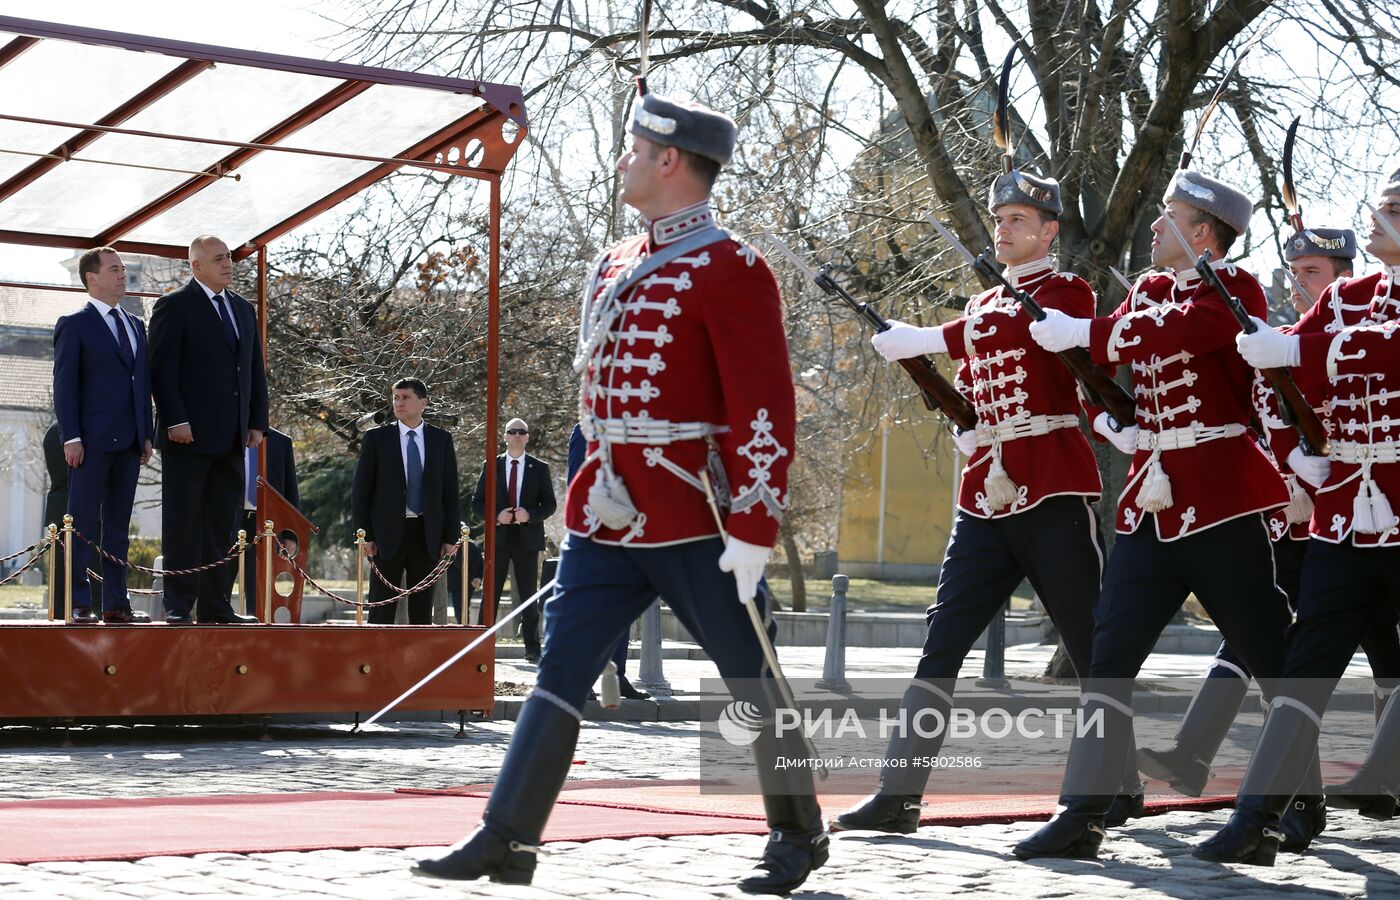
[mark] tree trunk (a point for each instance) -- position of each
(1059, 665)
(799, 582)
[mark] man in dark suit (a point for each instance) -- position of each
(102, 394)
(405, 498)
(524, 499)
(282, 476)
(211, 400)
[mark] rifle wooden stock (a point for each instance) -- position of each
(1293, 406)
(935, 390)
(1100, 389)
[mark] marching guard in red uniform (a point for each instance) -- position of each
(1352, 569)
(1321, 262)
(1191, 517)
(684, 376)
(1025, 505)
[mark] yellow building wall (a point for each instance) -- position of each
(919, 475)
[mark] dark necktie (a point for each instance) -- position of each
(513, 485)
(230, 334)
(414, 466)
(123, 342)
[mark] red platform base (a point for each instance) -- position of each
(52, 670)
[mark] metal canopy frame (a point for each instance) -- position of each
(478, 144)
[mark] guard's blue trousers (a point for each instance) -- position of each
(602, 588)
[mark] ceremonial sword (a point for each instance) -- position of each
(1293, 407)
(935, 390)
(770, 655)
(456, 656)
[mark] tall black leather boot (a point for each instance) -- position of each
(797, 842)
(1185, 766)
(895, 807)
(1287, 749)
(505, 844)
(1093, 775)
(1131, 802)
(1374, 788)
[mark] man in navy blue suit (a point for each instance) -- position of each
(102, 395)
(210, 390)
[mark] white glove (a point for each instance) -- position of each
(1267, 348)
(903, 341)
(746, 561)
(966, 441)
(1312, 469)
(1125, 440)
(1058, 331)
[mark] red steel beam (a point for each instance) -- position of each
(169, 82)
(15, 48)
(336, 97)
(460, 130)
(509, 99)
(72, 242)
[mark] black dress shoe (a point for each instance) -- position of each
(230, 619)
(532, 656)
(1124, 807)
(483, 853)
(1071, 834)
(1178, 767)
(126, 616)
(892, 814)
(1305, 819)
(1252, 837)
(624, 687)
(788, 859)
(178, 619)
(83, 615)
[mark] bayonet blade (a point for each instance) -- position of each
(778, 244)
(1384, 223)
(952, 239)
(1176, 232)
(1122, 279)
(1298, 285)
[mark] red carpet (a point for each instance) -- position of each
(55, 830)
(684, 796)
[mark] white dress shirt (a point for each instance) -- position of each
(519, 463)
(403, 456)
(210, 293)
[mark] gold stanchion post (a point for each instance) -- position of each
(466, 611)
(242, 573)
(68, 563)
(359, 576)
(265, 595)
(53, 567)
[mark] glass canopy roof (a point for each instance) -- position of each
(143, 143)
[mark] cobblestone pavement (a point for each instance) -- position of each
(1354, 858)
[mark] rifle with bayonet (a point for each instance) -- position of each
(1098, 387)
(935, 390)
(1294, 408)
